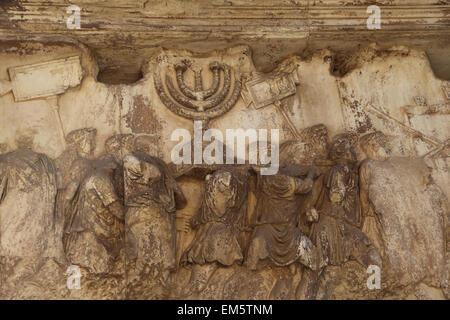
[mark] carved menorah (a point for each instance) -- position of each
(199, 103)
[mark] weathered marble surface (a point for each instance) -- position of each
(363, 180)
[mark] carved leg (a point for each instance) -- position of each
(367, 256)
(307, 288)
(200, 276)
(256, 251)
(361, 248)
(309, 255)
(164, 279)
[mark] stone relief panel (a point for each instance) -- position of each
(355, 186)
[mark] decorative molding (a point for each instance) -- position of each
(237, 18)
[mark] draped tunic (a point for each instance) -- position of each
(151, 197)
(218, 237)
(27, 205)
(277, 215)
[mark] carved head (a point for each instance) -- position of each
(313, 145)
(341, 148)
(140, 172)
(318, 140)
(25, 140)
(294, 152)
(83, 141)
(120, 145)
(375, 145)
(147, 144)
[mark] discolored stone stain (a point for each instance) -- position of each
(142, 118)
(11, 5)
(7, 6)
(20, 48)
(343, 63)
(362, 121)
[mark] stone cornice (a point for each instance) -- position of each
(132, 28)
(224, 20)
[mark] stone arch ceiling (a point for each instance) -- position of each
(122, 34)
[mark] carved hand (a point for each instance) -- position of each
(183, 225)
(314, 173)
(194, 223)
(312, 215)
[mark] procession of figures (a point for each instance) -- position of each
(118, 222)
(116, 214)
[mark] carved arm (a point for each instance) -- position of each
(3, 187)
(364, 180)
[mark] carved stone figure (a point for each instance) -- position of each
(94, 225)
(398, 199)
(336, 232)
(151, 197)
(286, 201)
(96, 231)
(312, 147)
(341, 182)
(116, 148)
(276, 236)
(73, 164)
(219, 221)
(376, 148)
(74, 161)
(27, 202)
(31, 250)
